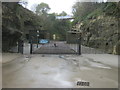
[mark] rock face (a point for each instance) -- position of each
(16, 23)
(10, 26)
(102, 31)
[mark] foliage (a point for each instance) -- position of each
(63, 13)
(50, 23)
(42, 8)
(99, 24)
(111, 9)
(57, 27)
(82, 9)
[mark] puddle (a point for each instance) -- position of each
(60, 78)
(99, 65)
(85, 68)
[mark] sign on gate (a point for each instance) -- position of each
(43, 41)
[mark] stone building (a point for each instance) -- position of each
(73, 36)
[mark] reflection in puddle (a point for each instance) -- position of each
(62, 80)
(92, 63)
(85, 68)
(99, 65)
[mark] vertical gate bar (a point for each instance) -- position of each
(22, 46)
(79, 47)
(79, 43)
(37, 41)
(31, 47)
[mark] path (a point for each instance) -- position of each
(59, 71)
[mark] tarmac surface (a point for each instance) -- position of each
(59, 71)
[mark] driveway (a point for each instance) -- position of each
(58, 71)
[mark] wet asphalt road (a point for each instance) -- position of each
(58, 71)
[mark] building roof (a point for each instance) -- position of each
(64, 17)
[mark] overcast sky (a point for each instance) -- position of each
(57, 6)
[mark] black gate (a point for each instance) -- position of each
(45, 45)
(57, 47)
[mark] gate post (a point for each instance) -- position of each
(37, 43)
(79, 44)
(20, 46)
(31, 46)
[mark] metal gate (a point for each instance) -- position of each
(55, 47)
(47, 46)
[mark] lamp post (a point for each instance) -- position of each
(37, 37)
(37, 40)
